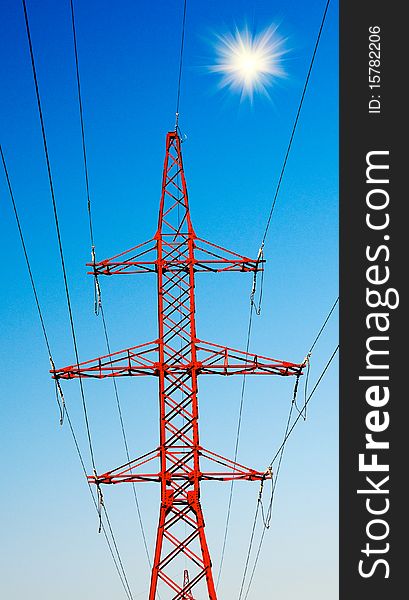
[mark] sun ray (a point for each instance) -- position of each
(249, 63)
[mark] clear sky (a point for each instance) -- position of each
(128, 55)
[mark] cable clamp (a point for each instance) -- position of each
(253, 290)
(100, 500)
(306, 360)
(260, 494)
(97, 288)
(58, 393)
(260, 254)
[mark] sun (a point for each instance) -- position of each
(248, 62)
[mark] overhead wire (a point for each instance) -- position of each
(30, 274)
(57, 227)
(116, 559)
(253, 531)
(274, 477)
(124, 436)
(297, 117)
(182, 46)
(267, 517)
(288, 150)
(87, 185)
(60, 247)
(307, 360)
(279, 453)
(178, 178)
(236, 449)
(98, 302)
(323, 325)
(20, 231)
(306, 402)
(81, 112)
(253, 306)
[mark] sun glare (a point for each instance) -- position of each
(249, 63)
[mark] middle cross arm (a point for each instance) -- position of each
(208, 258)
(212, 359)
(130, 472)
(221, 360)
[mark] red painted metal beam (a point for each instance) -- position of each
(208, 258)
(211, 359)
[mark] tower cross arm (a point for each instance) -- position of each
(221, 360)
(211, 359)
(207, 258)
(225, 469)
(135, 361)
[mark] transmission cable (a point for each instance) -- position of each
(236, 449)
(307, 360)
(57, 226)
(117, 560)
(260, 256)
(138, 509)
(60, 398)
(306, 402)
(98, 296)
(266, 519)
(182, 45)
(279, 453)
(63, 408)
(323, 325)
(20, 232)
(84, 150)
(295, 122)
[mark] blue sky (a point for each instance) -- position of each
(128, 55)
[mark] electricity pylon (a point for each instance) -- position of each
(177, 357)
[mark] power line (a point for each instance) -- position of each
(99, 301)
(117, 560)
(236, 448)
(266, 520)
(182, 45)
(324, 325)
(303, 411)
(20, 231)
(84, 150)
(57, 226)
(91, 233)
(252, 303)
(295, 123)
(30, 273)
(306, 402)
(253, 531)
(63, 408)
(56, 220)
(279, 453)
(138, 509)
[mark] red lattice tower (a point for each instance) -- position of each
(177, 357)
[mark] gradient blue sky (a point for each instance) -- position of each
(129, 59)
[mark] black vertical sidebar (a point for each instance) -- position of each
(374, 532)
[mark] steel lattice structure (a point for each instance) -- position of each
(177, 357)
